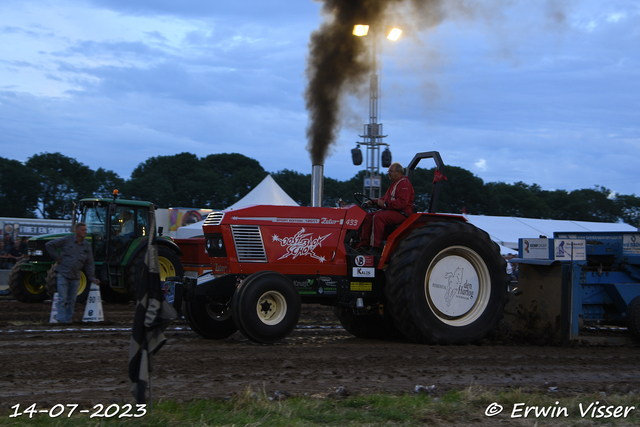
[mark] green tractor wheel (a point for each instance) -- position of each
(168, 260)
(52, 285)
(27, 286)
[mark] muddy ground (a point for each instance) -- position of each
(86, 363)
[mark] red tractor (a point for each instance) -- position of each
(439, 279)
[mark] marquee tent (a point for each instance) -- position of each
(506, 231)
(268, 192)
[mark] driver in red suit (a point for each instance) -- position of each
(395, 207)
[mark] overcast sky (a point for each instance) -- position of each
(536, 91)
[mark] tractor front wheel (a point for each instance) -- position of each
(210, 318)
(448, 284)
(266, 307)
(168, 261)
(27, 286)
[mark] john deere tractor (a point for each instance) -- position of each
(117, 231)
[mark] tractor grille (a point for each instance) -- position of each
(248, 242)
(214, 218)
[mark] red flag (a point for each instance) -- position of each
(438, 176)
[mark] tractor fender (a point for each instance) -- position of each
(138, 246)
(413, 221)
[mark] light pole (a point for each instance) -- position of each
(373, 130)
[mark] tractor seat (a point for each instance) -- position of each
(391, 228)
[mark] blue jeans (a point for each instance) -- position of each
(67, 293)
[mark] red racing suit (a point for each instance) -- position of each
(398, 205)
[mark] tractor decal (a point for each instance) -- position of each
(301, 244)
(364, 261)
(364, 272)
(454, 282)
(279, 220)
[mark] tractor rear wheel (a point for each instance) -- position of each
(51, 284)
(168, 260)
(633, 317)
(448, 284)
(27, 286)
(370, 326)
(266, 307)
(210, 318)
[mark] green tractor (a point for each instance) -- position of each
(117, 231)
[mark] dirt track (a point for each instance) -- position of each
(87, 363)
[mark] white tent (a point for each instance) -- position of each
(506, 230)
(268, 192)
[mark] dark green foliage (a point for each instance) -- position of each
(460, 191)
(183, 180)
(295, 184)
(514, 200)
(19, 189)
(236, 175)
(177, 180)
(629, 209)
(106, 182)
(48, 183)
(63, 180)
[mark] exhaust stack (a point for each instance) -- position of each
(317, 185)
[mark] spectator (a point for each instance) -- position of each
(3, 257)
(24, 245)
(75, 255)
(14, 254)
(511, 268)
(8, 242)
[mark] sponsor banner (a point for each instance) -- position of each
(535, 248)
(39, 229)
(631, 244)
(568, 249)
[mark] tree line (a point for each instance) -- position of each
(47, 184)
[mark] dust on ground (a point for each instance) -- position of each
(86, 363)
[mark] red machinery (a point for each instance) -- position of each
(439, 279)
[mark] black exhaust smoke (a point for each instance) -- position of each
(340, 63)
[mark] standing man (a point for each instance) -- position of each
(395, 207)
(75, 255)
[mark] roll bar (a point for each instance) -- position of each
(436, 185)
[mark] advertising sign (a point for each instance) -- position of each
(631, 244)
(569, 249)
(535, 248)
(182, 216)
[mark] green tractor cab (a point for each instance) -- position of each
(117, 230)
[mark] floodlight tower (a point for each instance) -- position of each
(373, 130)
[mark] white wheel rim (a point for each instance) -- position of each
(457, 286)
(271, 308)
